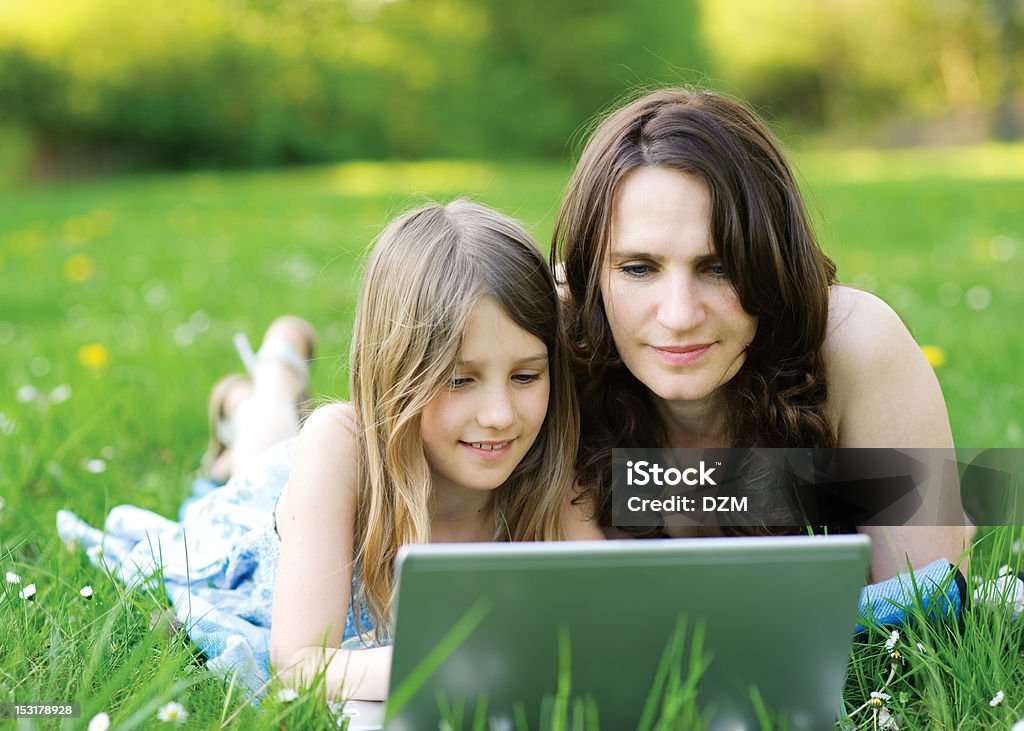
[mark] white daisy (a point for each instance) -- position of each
(286, 695)
(12, 578)
(1019, 726)
(887, 721)
(1005, 592)
(96, 466)
(878, 698)
(173, 712)
(28, 592)
(99, 722)
(27, 393)
(893, 639)
(86, 591)
(997, 699)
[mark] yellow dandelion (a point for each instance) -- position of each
(93, 355)
(935, 355)
(78, 268)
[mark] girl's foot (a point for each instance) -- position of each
(281, 366)
(285, 354)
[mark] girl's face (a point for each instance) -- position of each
(479, 430)
(676, 320)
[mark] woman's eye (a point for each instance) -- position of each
(637, 271)
(717, 271)
(525, 378)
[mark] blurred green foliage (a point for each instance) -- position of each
(208, 82)
(842, 63)
(202, 83)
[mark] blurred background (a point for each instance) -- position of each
(100, 85)
(174, 172)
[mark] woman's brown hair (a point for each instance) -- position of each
(767, 247)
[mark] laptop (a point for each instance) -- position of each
(484, 628)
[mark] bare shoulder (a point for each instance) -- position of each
(860, 324)
(324, 468)
(328, 435)
(864, 338)
(338, 413)
(881, 387)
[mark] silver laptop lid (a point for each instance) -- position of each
(477, 621)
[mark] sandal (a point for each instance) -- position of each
(284, 351)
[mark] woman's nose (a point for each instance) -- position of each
(680, 307)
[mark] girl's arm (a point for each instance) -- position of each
(884, 393)
(315, 519)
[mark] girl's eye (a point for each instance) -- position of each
(637, 271)
(457, 383)
(525, 378)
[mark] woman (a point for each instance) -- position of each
(704, 314)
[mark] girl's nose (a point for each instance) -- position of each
(496, 410)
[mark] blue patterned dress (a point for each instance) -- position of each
(218, 563)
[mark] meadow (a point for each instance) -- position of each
(119, 297)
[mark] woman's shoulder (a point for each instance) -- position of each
(862, 332)
(876, 372)
(856, 317)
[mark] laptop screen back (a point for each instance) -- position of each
(477, 621)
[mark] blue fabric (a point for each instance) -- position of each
(934, 588)
(218, 563)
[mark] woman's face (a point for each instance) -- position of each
(676, 320)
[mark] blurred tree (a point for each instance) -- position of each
(206, 82)
(1009, 19)
(848, 63)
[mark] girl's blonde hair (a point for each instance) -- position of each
(427, 271)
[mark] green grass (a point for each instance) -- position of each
(160, 270)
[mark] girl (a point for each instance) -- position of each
(703, 313)
(462, 427)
